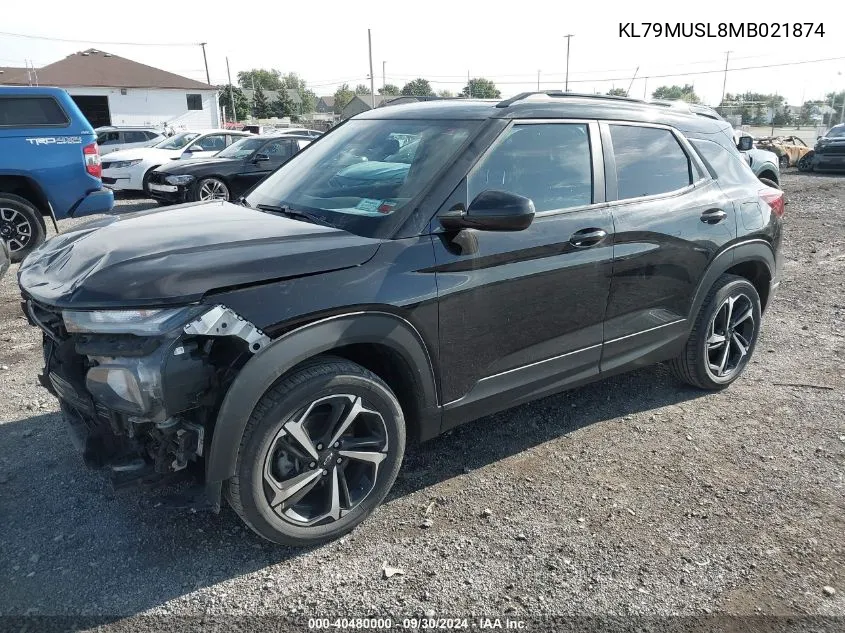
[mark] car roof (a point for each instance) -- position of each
(553, 106)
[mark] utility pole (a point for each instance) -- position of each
(841, 112)
(725, 80)
(383, 75)
(645, 88)
(538, 81)
(205, 59)
(469, 86)
(568, 38)
(231, 92)
(630, 85)
(372, 79)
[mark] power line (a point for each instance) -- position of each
(70, 41)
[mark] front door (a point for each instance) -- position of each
(265, 161)
(521, 312)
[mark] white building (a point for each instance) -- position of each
(113, 90)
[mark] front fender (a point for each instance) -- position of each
(294, 347)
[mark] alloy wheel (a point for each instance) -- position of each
(730, 336)
(15, 229)
(212, 189)
(324, 461)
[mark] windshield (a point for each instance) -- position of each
(836, 132)
(242, 148)
(365, 171)
(177, 142)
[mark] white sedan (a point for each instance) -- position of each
(129, 170)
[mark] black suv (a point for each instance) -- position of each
(417, 267)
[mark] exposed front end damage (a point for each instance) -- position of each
(140, 397)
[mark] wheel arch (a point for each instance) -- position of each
(754, 260)
(383, 342)
(769, 173)
(26, 188)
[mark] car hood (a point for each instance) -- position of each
(177, 255)
(144, 153)
(189, 166)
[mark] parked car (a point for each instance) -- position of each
(788, 149)
(287, 347)
(129, 170)
(265, 130)
(828, 154)
(764, 164)
(227, 175)
(113, 139)
(49, 165)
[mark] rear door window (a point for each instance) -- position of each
(550, 163)
(649, 161)
(108, 138)
(135, 137)
(32, 112)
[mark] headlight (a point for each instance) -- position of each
(139, 322)
(123, 164)
(178, 180)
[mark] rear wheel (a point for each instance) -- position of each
(783, 161)
(723, 337)
(319, 453)
(20, 225)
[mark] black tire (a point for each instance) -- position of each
(21, 225)
(217, 183)
(693, 365)
(770, 183)
(321, 378)
(805, 163)
(783, 161)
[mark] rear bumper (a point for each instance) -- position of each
(100, 201)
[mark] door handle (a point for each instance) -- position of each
(713, 216)
(587, 237)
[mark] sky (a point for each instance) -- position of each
(326, 43)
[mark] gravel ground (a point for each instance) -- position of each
(633, 496)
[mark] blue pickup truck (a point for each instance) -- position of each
(49, 165)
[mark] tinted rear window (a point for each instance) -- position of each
(649, 161)
(31, 112)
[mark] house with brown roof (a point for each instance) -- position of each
(113, 90)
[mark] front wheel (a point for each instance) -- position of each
(723, 337)
(805, 163)
(212, 189)
(320, 452)
(20, 225)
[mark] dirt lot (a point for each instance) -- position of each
(633, 496)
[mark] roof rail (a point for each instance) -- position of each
(559, 93)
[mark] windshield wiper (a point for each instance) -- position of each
(290, 213)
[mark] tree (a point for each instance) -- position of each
(283, 105)
(617, 92)
(308, 96)
(342, 97)
(418, 88)
(241, 102)
(685, 92)
(260, 106)
(838, 102)
(481, 88)
(261, 77)
(362, 89)
(390, 90)
(445, 94)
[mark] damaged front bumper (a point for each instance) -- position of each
(143, 407)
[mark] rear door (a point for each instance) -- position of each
(521, 312)
(671, 219)
(134, 138)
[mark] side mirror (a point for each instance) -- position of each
(745, 143)
(818, 138)
(260, 158)
(492, 211)
(195, 148)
